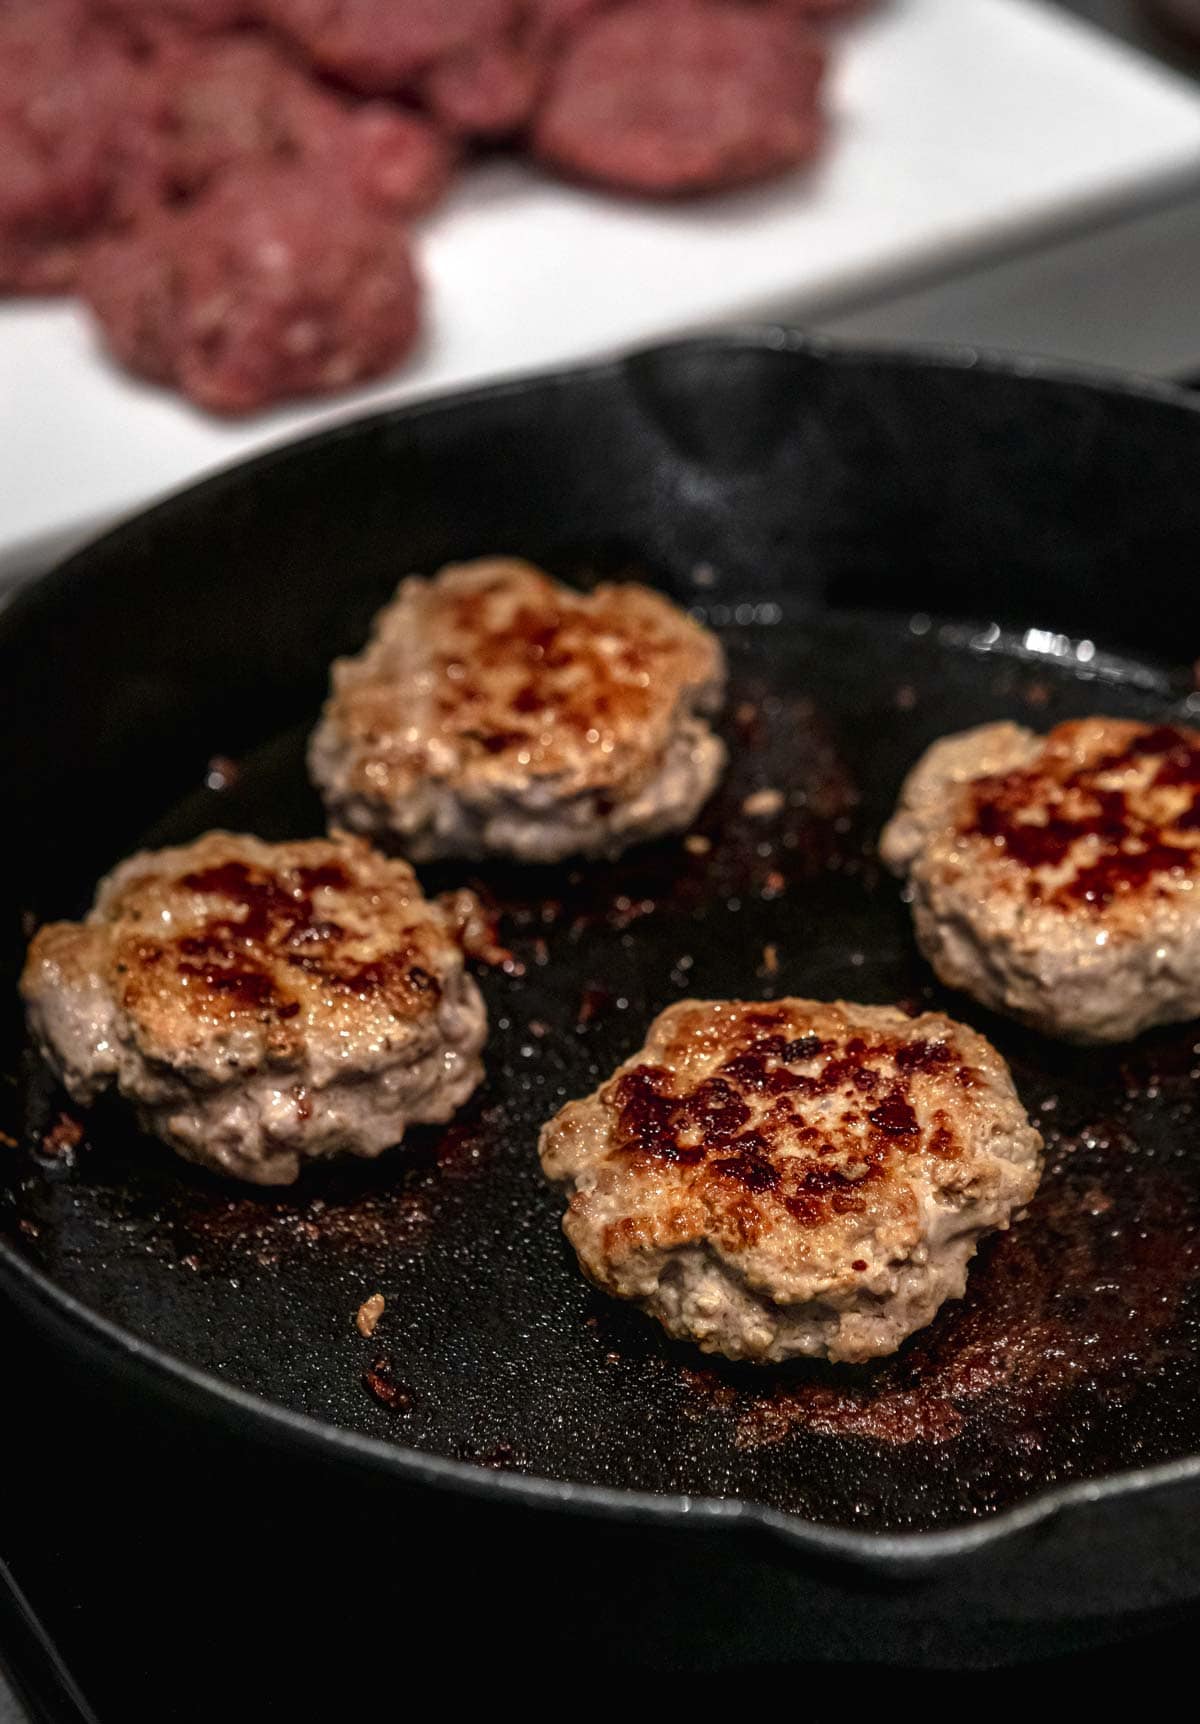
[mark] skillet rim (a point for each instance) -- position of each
(124, 1354)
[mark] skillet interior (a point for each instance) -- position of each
(820, 509)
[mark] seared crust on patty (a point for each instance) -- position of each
(495, 710)
(793, 1178)
(1056, 877)
(261, 1003)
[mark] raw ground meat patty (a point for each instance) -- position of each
(674, 98)
(266, 287)
(261, 1004)
(229, 101)
(381, 46)
(793, 1178)
(497, 712)
(150, 15)
(120, 119)
(68, 93)
(821, 11)
(1057, 878)
(486, 91)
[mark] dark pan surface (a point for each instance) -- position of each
(1073, 1356)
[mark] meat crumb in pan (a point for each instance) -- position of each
(794, 1178)
(762, 804)
(495, 711)
(1057, 878)
(261, 1004)
(368, 1314)
(63, 1137)
(381, 1382)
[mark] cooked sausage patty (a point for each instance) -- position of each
(793, 1178)
(261, 1004)
(1057, 878)
(497, 711)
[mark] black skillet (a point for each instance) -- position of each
(892, 547)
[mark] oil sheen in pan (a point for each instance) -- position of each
(1074, 1351)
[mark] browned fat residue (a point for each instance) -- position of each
(1135, 844)
(707, 1389)
(466, 1145)
(1086, 1294)
(364, 1227)
(382, 1383)
(62, 1138)
(749, 1126)
(476, 921)
(218, 1232)
(895, 1417)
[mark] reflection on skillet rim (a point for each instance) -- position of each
(44, 1301)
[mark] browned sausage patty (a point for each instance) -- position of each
(262, 1004)
(496, 711)
(1057, 877)
(793, 1178)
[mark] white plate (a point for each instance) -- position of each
(964, 129)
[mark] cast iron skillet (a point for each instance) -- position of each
(892, 547)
